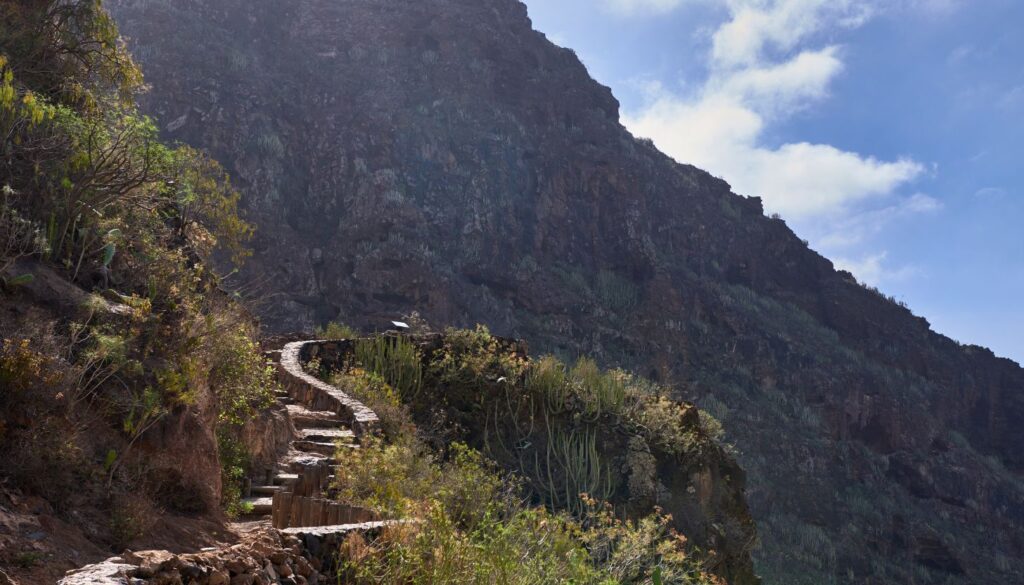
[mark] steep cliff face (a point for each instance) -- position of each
(444, 157)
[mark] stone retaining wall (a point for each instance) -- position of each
(316, 393)
(297, 556)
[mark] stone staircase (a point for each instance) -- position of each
(294, 496)
(326, 424)
(304, 469)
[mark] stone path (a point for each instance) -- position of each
(308, 526)
(317, 437)
(322, 418)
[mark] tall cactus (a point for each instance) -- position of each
(571, 466)
(547, 379)
(396, 360)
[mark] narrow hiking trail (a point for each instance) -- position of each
(326, 424)
(293, 527)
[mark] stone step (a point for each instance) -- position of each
(260, 505)
(265, 490)
(303, 417)
(295, 460)
(321, 435)
(286, 479)
(322, 447)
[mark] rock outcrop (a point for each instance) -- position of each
(443, 156)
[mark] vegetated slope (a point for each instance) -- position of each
(562, 444)
(127, 378)
(442, 156)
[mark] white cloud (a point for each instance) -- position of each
(759, 25)
(786, 86)
(871, 269)
(760, 73)
(720, 133)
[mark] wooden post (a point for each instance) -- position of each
(314, 488)
(307, 512)
(321, 513)
(285, 515)
(275, 510)
(296, 512)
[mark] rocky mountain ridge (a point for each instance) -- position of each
(442, 156)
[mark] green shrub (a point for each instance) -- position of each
(395, 359)
(472, 487)
(334, 330)
(571, 466)
(547, 378)
(241, 377)
(389, 478)
(244, 384)
(659, 420)
(472, 527)
(471, 358)
(21, 370)
(565, 438)
(529, 547)
(382, 399)
(711, 427)
(600, 392)
(234, 465)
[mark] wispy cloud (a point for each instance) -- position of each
(844, 238)
(837, 236)
(990, 193)
(1012, 98)
(934, 7)
(796, 16)
(873, 270)
(643, 6)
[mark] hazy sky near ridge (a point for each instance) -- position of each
(889, 133)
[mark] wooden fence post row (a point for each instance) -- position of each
(294, 511)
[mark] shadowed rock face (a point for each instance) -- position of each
(440, 155)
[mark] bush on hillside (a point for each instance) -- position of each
(89, 189)
(488, 431)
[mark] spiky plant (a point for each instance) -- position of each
(396, 360)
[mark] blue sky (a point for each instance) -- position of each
(886, 132)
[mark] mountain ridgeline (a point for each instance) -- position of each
(442, 156)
